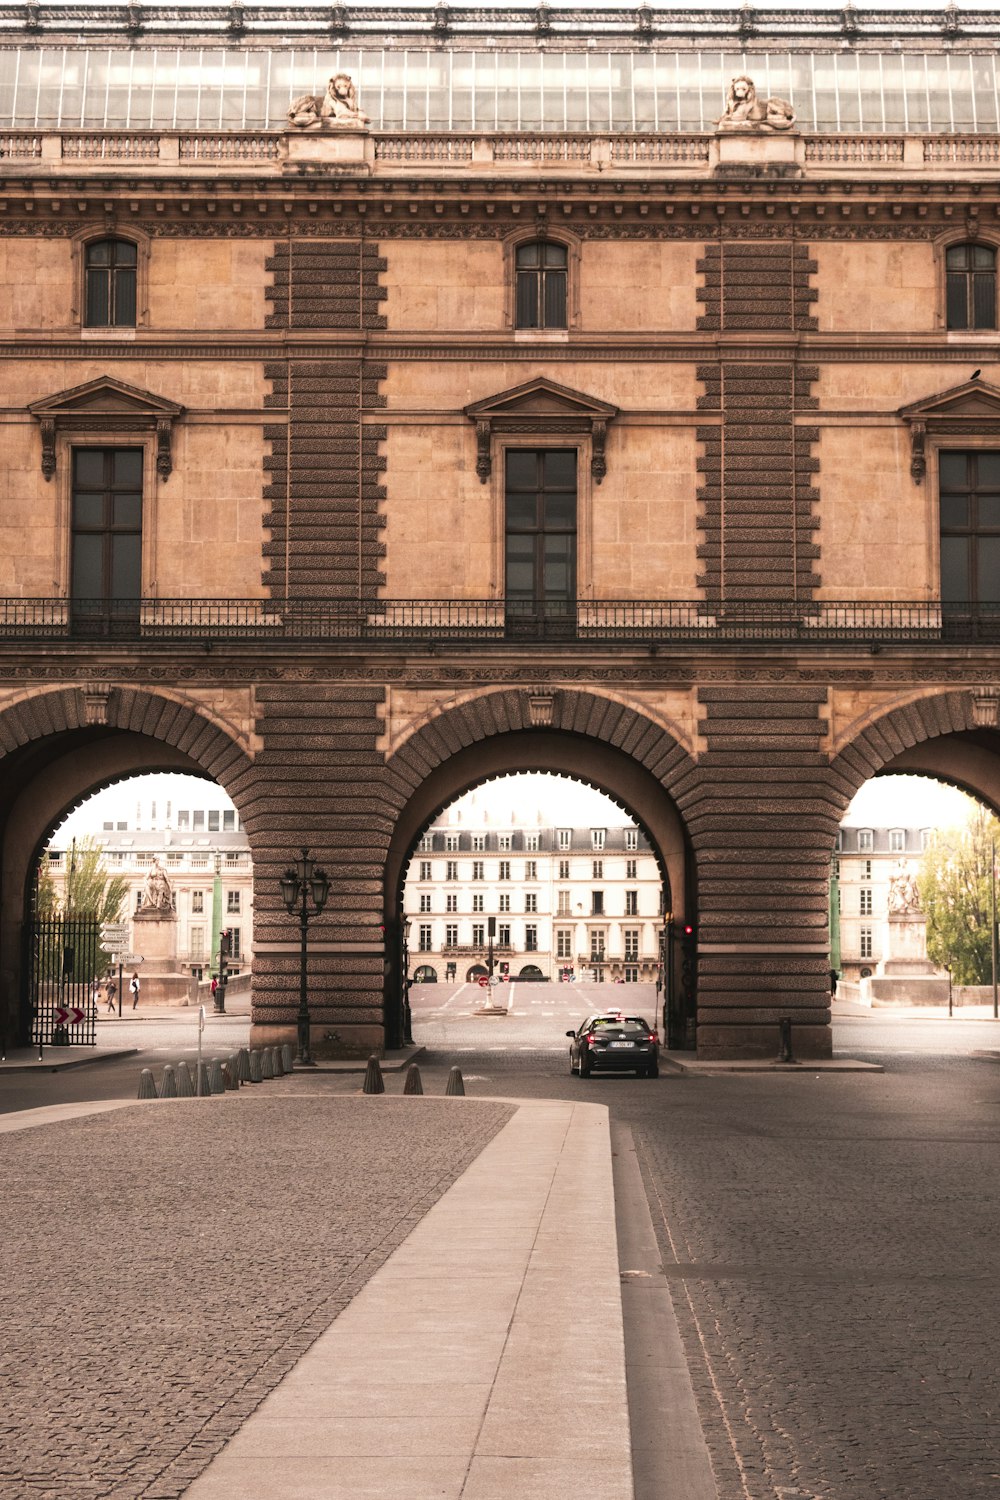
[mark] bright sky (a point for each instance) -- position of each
(885, 802)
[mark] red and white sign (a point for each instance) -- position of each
(483, 981)
(71, 1013)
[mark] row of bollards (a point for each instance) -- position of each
(375, 1084)
(248, 1065)
(256, 1065)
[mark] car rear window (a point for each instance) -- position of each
(625, 1024)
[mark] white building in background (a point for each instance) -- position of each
(864, 861)
(196, 846)
(566, 901)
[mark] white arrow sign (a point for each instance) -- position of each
(113, 929)
(116, 947)
(130, 959)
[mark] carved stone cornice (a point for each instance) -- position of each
(970, 410)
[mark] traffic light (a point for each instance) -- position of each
(226, 943)
(505, 970)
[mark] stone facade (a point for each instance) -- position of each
(756, 379)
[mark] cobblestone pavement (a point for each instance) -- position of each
(165, 1265)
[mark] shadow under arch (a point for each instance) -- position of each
(52, 759)
(940, 736)
(596, 741)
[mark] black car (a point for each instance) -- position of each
(614, 1043)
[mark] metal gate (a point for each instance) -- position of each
(65, 958)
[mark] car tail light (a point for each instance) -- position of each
(653, 1037)
(593, 1039)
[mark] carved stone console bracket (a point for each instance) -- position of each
(106, 406)
(96, 698)
(541, 707)
(986, 708)
(542, 409)
(971, 410)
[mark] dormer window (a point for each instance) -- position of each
(970, 286)
(110, 267)
(540, 285)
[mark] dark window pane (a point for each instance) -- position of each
(983, 257)
(555, 255)
(988, 512)
(98, 299)
(984, 300)
(954, 570)
(954, 512)
(128, 468)
(988, 549)
(88, 511)
(99, 253)
(126, 567)
(559, 567)
(125, 253)
(88, 571)
(954, 470)
(128, 511)
(522, 511)
(527, 300)
(560, 511)
(522, 469)
(560, 467)
(124, 290)
(520, 571)
(527, 257)
(988, 470)
(555, 299)
(88, 468)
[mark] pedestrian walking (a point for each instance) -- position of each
(95, 998)
(133, 985)
(215, 984)
(111, 990)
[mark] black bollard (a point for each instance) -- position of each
(413, 1084)
(785, 1040)
(455, 1084)
(374, 1082)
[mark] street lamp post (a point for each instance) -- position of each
(298, 883)
(407, 1014)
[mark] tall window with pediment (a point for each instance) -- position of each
(106, 535)
(970, 527)
(540, 527)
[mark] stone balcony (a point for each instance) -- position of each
(502, 155)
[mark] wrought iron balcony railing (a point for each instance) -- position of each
(639, 621)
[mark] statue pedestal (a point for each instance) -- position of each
(905, 975)
(336, 147)
(736, 148)
(154, 937)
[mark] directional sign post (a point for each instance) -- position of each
(130, 960)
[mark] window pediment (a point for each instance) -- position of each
(103, 405)
(970, 409)
(540, 407)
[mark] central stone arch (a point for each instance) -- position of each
(597, 740)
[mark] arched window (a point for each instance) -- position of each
(540, 285)
(110, 284)
(971, 286)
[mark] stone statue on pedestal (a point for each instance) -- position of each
(744, 111)
(156, 896)
(337, 109)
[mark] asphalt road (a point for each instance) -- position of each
(829, 1239)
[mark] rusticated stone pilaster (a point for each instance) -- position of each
(323, 471)
(758, 523)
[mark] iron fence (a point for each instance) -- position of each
(639, 621)
(65, 961)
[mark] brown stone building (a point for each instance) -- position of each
(535, 422)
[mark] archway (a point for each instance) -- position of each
(892, 893)
(63, 747)
(584, 739)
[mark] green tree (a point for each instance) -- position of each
(89, 891)
(955, 891)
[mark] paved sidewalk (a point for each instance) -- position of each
(485, 1360)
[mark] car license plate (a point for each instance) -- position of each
(621, 1044)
